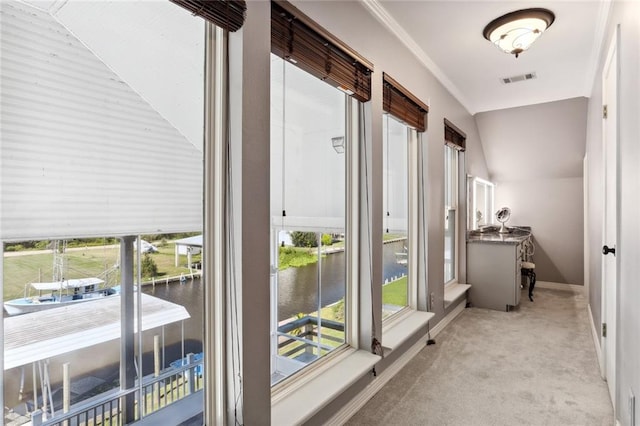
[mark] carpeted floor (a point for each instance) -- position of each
(535, 365)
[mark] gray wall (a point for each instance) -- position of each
(627, 16)
(248, 332)
(351, 23)
(535, 156)
(553, 208)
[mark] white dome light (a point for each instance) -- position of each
(515, 32)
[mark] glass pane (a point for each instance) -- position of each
(122, 113)
(450, 246)
(451, 201)
(308, 181)
(396, 219)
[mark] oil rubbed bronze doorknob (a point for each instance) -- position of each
(606, 250)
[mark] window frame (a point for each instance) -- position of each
(215, 236)
(452, 170)
(283, 387)
(411, 173)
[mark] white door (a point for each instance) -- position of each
(609, 283)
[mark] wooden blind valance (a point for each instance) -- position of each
(302, 42)
(227, 14)
(454, 137)
(399, 102)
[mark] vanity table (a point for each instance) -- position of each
(494, 267)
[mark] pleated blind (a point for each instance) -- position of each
(301, 41)
(227, 14)
(399, 102)
(82, 153)
(454, 137)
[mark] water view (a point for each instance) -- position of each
(298, 286)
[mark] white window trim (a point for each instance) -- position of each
(321, 385)
(302, 377)
(456, 225)
(402, 326)
(214, 235)
(352, 246)
(413, 187)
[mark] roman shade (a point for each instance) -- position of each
(454, 137)
(399, 102)
(227, 14)
(299, 40)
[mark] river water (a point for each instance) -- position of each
(298, 287)
(297, 293)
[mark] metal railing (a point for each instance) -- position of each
(110, 409)
(302, 336)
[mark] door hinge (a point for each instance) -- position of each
(605, 111)
(604, 329)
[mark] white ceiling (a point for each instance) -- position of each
(447, 37)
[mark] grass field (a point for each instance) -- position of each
(101, 262)
(395, 293)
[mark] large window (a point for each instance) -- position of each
(316, 83)
(309, 147)
(451, 213)
(455, 145)
(405, 117)
(395, 268)
(102, 118)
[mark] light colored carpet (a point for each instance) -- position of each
(535, 365)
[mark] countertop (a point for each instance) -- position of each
(516, 235)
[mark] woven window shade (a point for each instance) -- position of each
(299, 40)
(454, 137)
(227, 14)
(400, 103)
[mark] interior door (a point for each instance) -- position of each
(609, 281)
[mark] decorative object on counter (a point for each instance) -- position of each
(528, 267)
(503, 216)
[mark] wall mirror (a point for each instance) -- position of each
(480, 197)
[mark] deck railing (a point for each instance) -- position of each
(110, 409)
(301, 336)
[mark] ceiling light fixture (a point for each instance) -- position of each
(515, 32)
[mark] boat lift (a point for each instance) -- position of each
(35, 338)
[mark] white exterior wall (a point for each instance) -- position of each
(81, 153)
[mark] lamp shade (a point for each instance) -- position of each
(515, 32)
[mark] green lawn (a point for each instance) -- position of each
(294, 257)
(20, 271)
(395, 293)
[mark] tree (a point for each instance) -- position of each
(304, 239)
(149, 267)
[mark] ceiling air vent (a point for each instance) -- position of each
(517, 78)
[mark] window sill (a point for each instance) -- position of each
(404, 327)
(300, 405)
(453, 292)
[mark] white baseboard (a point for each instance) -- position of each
(352, 407)
(450, 317)
(560, 286)
(596, 340)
